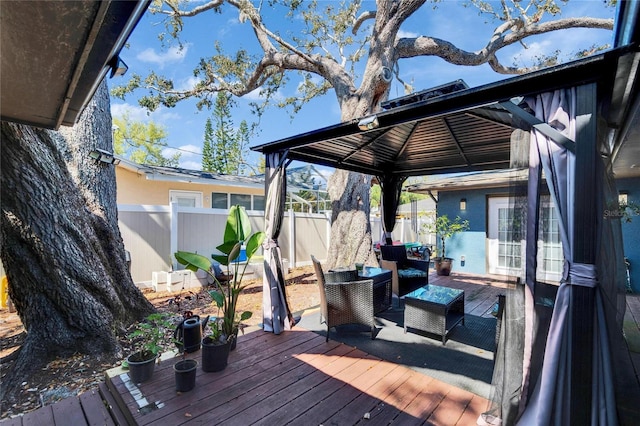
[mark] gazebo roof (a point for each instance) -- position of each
(469, 129)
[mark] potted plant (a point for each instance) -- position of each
(149, 334)
(237, 237)
(446, 228)
(215, 347)
(184, 370)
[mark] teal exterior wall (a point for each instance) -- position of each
(631, 230)
(472, 244)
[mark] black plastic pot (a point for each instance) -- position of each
(215, 355)
(140, 370)
(235, 339)
(185, 372)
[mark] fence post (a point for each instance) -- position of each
(292, 238)
(173, 238)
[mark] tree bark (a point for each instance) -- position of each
(60, 243)
(350, 227)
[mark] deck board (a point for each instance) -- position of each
(308, 376)
(43, 416)
(110, 403)
(222, 380)
(94, 409)
(68, 411)
(308, 381)
(258, 382)
(298, 378)
(327, 397)
(364, 401)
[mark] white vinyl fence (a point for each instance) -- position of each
(153, 233)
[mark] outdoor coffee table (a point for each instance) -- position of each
(381, 283)
(434, 309)
(381, 286)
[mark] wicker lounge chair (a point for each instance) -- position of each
(343, 301)
(408, 274)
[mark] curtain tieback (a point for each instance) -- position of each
(583, 274)
(269, 244)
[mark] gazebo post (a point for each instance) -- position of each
(391, 188)
(585, 240)
(276, 313)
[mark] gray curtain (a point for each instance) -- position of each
(551, 394)
(276, 313)
(533, 382)
(391, 186)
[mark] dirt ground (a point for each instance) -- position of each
(71, 376)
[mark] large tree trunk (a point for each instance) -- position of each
(350, 227)
(60, 243)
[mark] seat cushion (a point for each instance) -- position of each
(411, 273)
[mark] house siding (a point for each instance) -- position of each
(631, 230)
(472, 243)
(136, 189)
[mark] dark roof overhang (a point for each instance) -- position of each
(56, 53)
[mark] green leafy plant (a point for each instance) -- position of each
(237, 234)
(149, 336)
(214, 330)
(446, 228)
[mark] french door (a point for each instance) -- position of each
(506, 243)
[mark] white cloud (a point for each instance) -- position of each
(254, 95)
(534, 51)
(192, 150)
(137, 113)
(190, 164)
(172, 55)
(188, 83)
(190, 156)
(406, 34)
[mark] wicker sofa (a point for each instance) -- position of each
(408, 274)
(344, 302)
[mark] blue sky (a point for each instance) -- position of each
(450, 21)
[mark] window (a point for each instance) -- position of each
(549, 235)
(509, 242)
(506, 240)
(186, 198)
(623, 198)
(258, 202)
(219, 200)
(222, 200)
(243, 200)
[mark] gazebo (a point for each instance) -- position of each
(572, 126)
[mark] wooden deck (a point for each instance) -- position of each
(298, 378)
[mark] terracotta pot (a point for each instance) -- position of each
(443, 265)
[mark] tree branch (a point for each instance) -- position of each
(364, 16)
(431, 46)
(188, 13)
